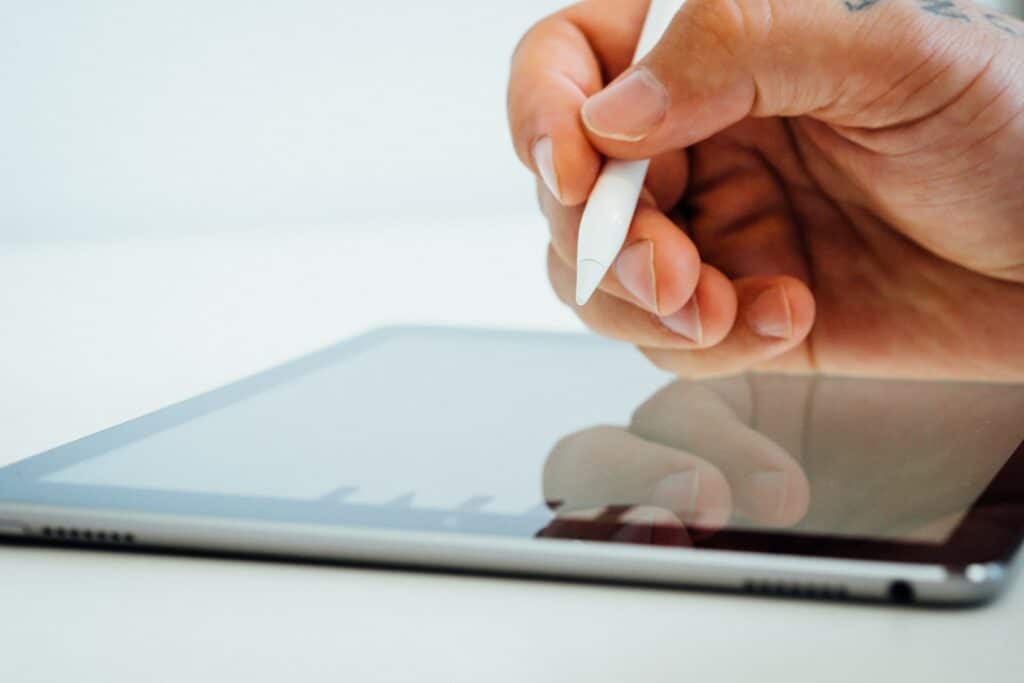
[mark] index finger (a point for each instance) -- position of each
(768, 484)
(563, 60)
(608, 466)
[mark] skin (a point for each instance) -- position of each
(848, 176)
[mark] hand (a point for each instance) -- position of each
(866, 458)
(836, 186)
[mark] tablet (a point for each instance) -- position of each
(560, 456)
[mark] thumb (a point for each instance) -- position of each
(724, 60)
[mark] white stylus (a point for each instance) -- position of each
(613, 200)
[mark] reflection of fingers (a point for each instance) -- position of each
(643, 525)
(606, 466)
(704, 321)
(657, 267)
(648, 525)
(775, 316)
(595, 524)
(767, 483)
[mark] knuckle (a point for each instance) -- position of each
(570, 449)
(648, 414)
(582, 443)
(519, 114)
(561, 469)
(538, 28)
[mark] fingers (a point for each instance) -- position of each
(774, 317)
(607, 466)
(853, 63)
(553, 72)
(658, 266)
(767, 483)
(640, 524)
(704, 321)
(727, 327)
(558, 64)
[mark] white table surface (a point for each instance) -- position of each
(97, 333)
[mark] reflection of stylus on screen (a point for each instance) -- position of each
(612, 202)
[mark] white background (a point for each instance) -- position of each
(162, 118)
(190, 192)
(124, 118)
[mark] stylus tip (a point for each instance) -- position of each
(589, 274)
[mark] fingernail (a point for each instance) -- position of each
(544, 157)
(678, 493)
(628, 109)
(770, 316)
(634, 269)
(766, 494)
(686, 322)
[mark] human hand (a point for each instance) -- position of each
(835, 186)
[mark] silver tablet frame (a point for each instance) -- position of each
(616, 563)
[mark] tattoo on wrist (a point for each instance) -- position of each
(1004, 24)
(858, 5)
(940, 8)
(950, 9)
(944, 8)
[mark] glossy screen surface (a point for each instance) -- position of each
(556, 436)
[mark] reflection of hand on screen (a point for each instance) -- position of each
(701, 464)
(823, 455)
(902, 460)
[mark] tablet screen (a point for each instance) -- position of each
(419, 419)
(523, 434)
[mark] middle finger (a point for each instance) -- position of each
(658, 266)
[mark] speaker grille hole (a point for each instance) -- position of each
(88, 535)
(796, 590)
